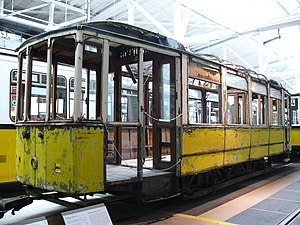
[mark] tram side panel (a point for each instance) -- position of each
(7, 130)
(259, 142)
(202, 149)
(205, 148)
(68, 154)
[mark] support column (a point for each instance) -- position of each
(19, 89)
(141, 147)
(130, 13)
(224, 95)
(48, 84)
(88, 11)
(78, 76)
(104, 80)
(28, 84)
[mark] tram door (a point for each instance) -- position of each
(164, 125)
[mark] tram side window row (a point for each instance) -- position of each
(205, 106)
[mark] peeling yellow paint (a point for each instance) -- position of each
(70, 159)
(206, 148)
(276, 135)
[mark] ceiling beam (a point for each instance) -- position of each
(181, 18)
(152, 19)
(64, 5)
(277, 23)
(13, 13)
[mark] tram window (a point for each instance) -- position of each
(295, 110)
(110, 99)
(92, 96)
(275, 112)
(165, 91)
(203, 102)
(287, 104)
(212, 108)
(195, 106)
(13, 95)
(258, 109)
(275, 107)
(236, 101)
(129, 100)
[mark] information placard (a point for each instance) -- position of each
(34, 221)
(91, 215)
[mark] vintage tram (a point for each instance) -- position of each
(150, 118)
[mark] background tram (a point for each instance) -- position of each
(295, 132)
(8, 62)
(138, 113)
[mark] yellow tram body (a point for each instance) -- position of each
(65, 160)
(208, 148)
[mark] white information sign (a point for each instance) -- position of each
(92, 215)
(34, 221)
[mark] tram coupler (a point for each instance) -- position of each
(13, 196)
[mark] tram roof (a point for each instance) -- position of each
(113, 28)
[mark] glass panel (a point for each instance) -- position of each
(195, 106)
(165, 92)
(129, 100)
(236, 81)
(110, 100)
(212, 108)
(241, 109)
(92, 96)
(276, 112)
(236, 108)
(274, 93)
(230, 105)
(295, 110)
(255, 112)
(259, 88)
(38, 107)
(165, 145)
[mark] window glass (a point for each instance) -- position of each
(295, 110)
(212, 107)
(274, 93)
(236, 81)
(204, 102)
(165, 91)
(236, 104)
(129, 100)
(195, 107)
(259, 88)
(275, 117)
(258, 109)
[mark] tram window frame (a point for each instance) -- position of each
(204, 89)
(259, 115)
(275, 107)
(129, 100)
(295, 100)
(259, 94)
(13, 94)
(237, 90)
